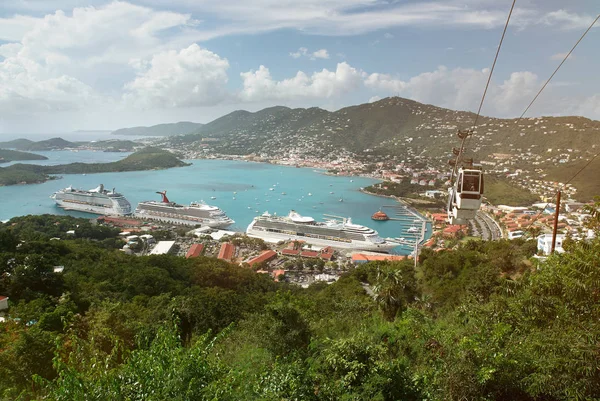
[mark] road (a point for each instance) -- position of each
(485, 227)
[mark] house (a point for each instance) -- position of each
(545, 243)
(277, 273)
(195, 251)
(3, 302)
(263, 257)
(162, 248)
(227, 251)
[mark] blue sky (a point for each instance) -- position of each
(75, 64)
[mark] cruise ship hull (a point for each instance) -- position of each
(95, 201)
(270, 236)
(101, 210)
(192, 221)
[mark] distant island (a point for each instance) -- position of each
(7, 155)
(109, 145)
(145, 159)
(180, 128)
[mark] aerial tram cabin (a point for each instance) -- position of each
(464, 198)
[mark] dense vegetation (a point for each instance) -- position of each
(12, 155)
(477, 323)
(499, 191)
(145, 159)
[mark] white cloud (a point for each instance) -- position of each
(190, 77)
(374, 98)
(259, 85)
(567, 20)
(461, 89)
(322, 53)
(303, 52)
(560, 56)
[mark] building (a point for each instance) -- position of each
(263, 257)
(3, 303)
(227, 251)
(360, 258)
(545, 243)
(277, 273)
(195, 251)
(162, 248)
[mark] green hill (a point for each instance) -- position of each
(146, 159)
(20, 143)
(180, 128)
(48, 144)
(12, 155)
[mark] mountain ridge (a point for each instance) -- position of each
(166, 129)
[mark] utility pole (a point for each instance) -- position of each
(556, 212)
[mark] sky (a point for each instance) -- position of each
(70, 65)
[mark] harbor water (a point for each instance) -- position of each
(242, 189)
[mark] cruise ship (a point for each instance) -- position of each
(335, 232)
(96, 201)
(197, 213)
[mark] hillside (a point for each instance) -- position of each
(402, 128)
(146, 159)
(12, 155)
(180, 128)
(48, 144)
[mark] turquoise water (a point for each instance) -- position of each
(220, 179)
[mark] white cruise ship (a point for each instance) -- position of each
(197, 213)
(333, 232)
(96, 201)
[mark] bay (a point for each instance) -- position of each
(307, 191)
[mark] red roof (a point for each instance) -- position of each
(361, 257)
(327, 250)
(277, 273)
(195, 251)
(326, 256)
(309, 254)
(263, 257)
(293, 252)
(3, 297)
(227, 251)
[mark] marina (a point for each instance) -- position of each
(221, 178)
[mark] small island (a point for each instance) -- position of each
(145, 159)
(7, 155)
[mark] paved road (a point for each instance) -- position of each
(489, 228)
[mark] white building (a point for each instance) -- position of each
(545, 243)
(3, 302)
(162, 248)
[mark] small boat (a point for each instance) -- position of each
(413, 229)
(309, 194)
(283, 193)
(380, 216)
(341, 199)
(271, 189)
(213, 197)
(351, 180)
(234, 198)
(235, 193)
(331, 192)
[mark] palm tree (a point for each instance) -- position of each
(389, 291)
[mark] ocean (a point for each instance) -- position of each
(241, 189)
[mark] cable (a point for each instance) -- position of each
(494, 64)
(557, 68)
(490, 75)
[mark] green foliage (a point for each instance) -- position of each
(476, 323)
(11, 155)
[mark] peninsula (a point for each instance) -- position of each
(145, 159)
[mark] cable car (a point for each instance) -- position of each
(464, 198)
